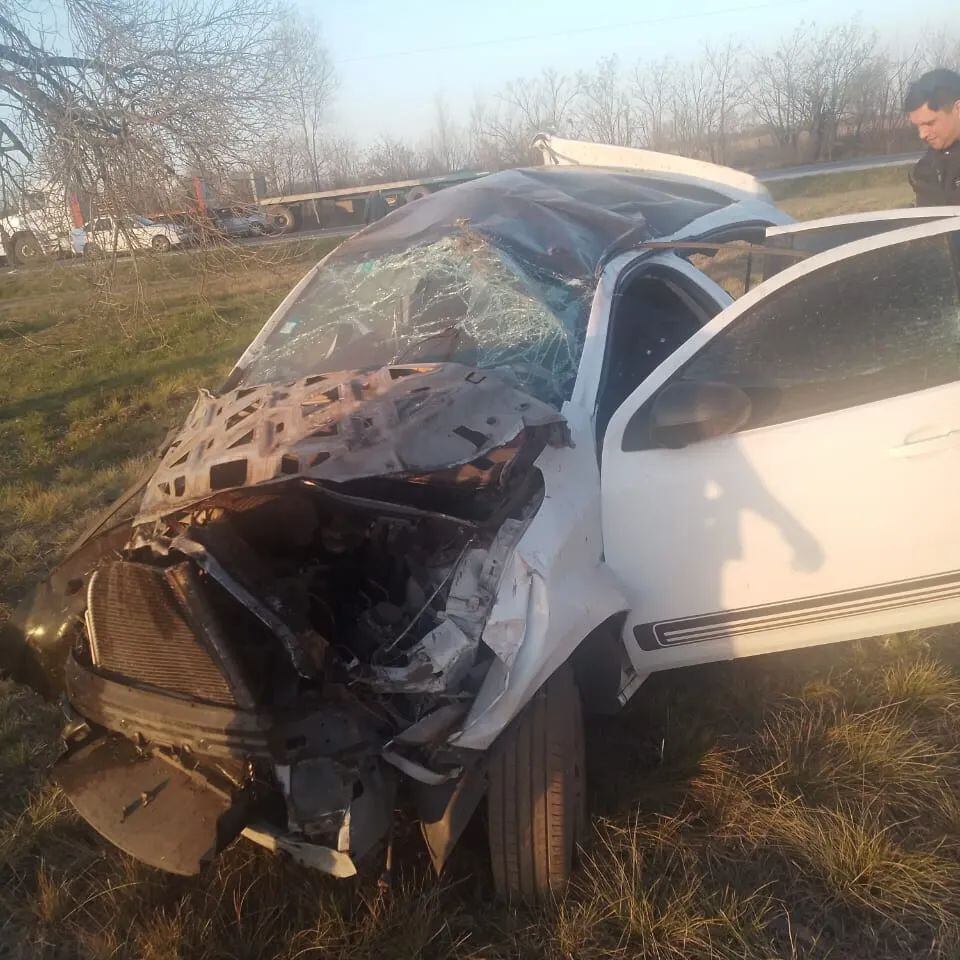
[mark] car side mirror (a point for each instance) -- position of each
(687, 411)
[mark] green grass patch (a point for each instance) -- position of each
(97, 363)
(825, 184)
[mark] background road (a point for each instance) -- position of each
(767, 176)
(839, 166)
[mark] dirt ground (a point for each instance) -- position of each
(798, 806)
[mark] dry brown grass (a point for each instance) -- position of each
(798, 806)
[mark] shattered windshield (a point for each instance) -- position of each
(457, 299)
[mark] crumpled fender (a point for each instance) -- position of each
(554, 593)
(35, 641)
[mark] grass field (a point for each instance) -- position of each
(802, 805)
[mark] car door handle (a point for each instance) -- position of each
(924, 441)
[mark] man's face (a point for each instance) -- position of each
(939, 129)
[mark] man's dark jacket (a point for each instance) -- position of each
(936, 178)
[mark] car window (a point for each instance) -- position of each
(869, 327)
(103, 223)
(651, 316)
(458, 299)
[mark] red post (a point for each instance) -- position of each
(76, 215)
(199, 192)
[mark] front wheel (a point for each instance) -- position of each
(26, 250)
(536, 801)
(160, 244)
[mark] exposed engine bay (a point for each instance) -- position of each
(287, 656)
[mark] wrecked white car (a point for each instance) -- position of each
(505, 451)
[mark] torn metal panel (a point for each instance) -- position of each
(477, 580)
(571, 590)
(369, 817)
(35, 642)
(346, 800)
(436, 664)
(318, 794)
(334, 862)
(138, 802)
(727, 181)
(418, 771)
(446, 810)
(395, 421)
(433, 726)
(505, 628)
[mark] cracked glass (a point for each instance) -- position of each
(876, 325)
(458, 299)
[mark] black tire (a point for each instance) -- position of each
(536, 801)
(257, 229)
(26, 250)
(160, 244)
(92, 250)
(285, 219)
(416, 193)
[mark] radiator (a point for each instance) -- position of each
(144, 628)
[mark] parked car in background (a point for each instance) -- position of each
(500, 457)
(108, 234)
(198, 227)
(241, 222)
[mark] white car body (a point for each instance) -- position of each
(707, 479)
(827, 479)
(123, 234)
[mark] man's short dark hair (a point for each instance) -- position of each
(938, 89)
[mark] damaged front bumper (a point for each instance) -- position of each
(292, 660)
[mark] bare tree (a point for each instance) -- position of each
(944, 49)
(723, 69)
(652, 86)
(833, 62)
(309, 83)
(447, 147)
(342, 162)
(693, 106)
(134, 90)
(391, 159)
(501, 132)
(778, 92)
(282, 160)
(605, 109)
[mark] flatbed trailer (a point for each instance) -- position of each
(362, 204)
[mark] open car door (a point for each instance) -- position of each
(816, 236)
(788, 477)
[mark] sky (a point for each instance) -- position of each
(393, 59)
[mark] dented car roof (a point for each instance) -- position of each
(567, 220)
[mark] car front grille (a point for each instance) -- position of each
(142, 627)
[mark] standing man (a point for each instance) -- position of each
(933, 107)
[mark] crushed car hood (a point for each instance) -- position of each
(395, 421)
